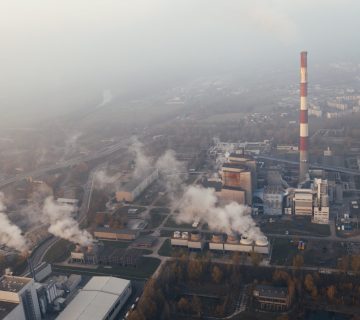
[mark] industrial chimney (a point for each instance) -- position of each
(304, 125)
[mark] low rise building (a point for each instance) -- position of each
(102, 298)
(272, 298)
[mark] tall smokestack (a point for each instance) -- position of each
(304, 125)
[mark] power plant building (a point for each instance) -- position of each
(101, 298)
(321, 202)
(303, 202)
(134, 188)
(18, 298)
(273, 200)
(235, 175)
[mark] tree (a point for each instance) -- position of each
(216, 274)
(196, 305)
(183, 305)
(355, 263)
(330, 292)
(298, 261)
(309, 282)
(255, 258)
(195, 270)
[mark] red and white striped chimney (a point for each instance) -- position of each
(304, 125)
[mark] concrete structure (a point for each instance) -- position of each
(262, 246)
(273, 200)
(249, 162)
(229, 194)
(116, 234)
(304, 126)
(272, 298)
(321, 202)
(40, 272)
(101, 298)
(134, 188)
(237, 175)
(196, 241)
(303, 202)
(18, 296)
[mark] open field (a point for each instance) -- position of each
(297, 226)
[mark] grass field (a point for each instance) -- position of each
(166, 249)
(59, 251)
(145, 269)
(171, 223)
(296, 227)
(155, 220)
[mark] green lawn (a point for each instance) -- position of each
(283, 251)
(155, 220)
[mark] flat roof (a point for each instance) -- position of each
(12, 283)
(6, 308)
(95, 300)
(117, 231)
(270, 291)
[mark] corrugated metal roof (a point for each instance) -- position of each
(95, 299)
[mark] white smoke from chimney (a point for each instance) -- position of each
(107, 97)
(62, 224)
(102, 179)
(201, 203)
(142, 162)
(10, 234)
(173, 172)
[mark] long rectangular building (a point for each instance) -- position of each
(102, 298)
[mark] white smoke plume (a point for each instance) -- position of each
(62, 224)
(201, 203)
(173, 172)
(107, 97)
(142, 162)
(10, 234)
(102, 179)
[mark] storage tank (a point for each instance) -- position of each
(262, 245)
(216, 242)
(195, 236)
(185, 235)
(233, 239)
(177, 234)
(246, 244)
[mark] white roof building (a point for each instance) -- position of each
(101, 298)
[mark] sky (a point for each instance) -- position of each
(59, 55)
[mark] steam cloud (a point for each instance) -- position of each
(62, 224)
(10, 234)
(107, 97)
(142, 162)
(198, 202)
(102, 179)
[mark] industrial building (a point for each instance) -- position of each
(321, 202)
(134, 188)
(18, 298)
(303, 202)
(273, 198)
(219, 242)
(101, 298)
(272, 298)
(116, 234)
(236, 175)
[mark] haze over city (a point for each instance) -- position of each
(179, 160)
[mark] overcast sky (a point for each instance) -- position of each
(61, 54)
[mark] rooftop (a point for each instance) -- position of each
(234, 166)
(6, 308)
(95, 299)
(117, 231)
(270, 291)
(12, 283)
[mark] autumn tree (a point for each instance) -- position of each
(330, 292)
(183, 305)
(309, 282)
(216, 274)
(255, 258)
(196, 305)
(195, 270)
(355, 263)
(298, 261)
